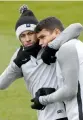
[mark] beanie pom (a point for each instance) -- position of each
(23, 8)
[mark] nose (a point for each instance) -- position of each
(40, 42)
(27, 38)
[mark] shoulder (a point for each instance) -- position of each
(68, 45)
(67, 50)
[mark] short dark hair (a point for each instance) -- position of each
(50, 23)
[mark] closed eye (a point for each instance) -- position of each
(41, 37)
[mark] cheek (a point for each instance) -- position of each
(34, 38)
(52, 37)
(46, 40)
(23, 42)
(49, 38)
(55, 35)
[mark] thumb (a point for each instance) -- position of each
(32, 100)
(53, 59)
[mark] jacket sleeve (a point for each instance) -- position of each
(69, 64)
(71, 32)
(10, 74)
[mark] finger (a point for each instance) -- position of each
(53, 59)
(32, 100)
(33, 106)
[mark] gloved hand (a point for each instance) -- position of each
(37, 105)
(48, 56)
(22, 57)
(24, 54)
(41, 92)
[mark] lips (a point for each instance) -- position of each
(28, 44)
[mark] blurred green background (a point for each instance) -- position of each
(15, 101)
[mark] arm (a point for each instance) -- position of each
(11, 73)
(71, 32)
(69, 64)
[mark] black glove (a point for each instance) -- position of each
(22, 57)
(24, 54)
(37, 105)
(48, 56)
(41, 92)
(44, 91)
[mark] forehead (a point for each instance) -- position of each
(27, 31)
(43, 32)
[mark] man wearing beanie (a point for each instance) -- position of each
(26, 62)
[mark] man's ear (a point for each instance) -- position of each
(57, 31)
